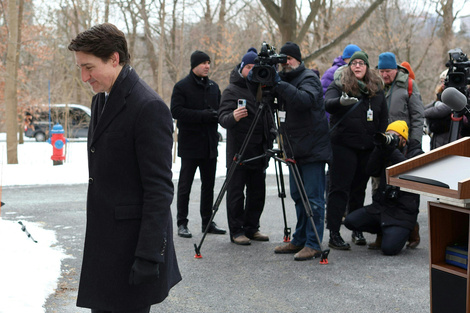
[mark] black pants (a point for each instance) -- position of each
(142, 310)
(207, 169)
(348, 182)
(393, 237)
(243, 213)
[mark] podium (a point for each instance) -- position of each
(443, 173)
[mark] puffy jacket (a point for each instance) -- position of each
(299, 94)
(328, 76)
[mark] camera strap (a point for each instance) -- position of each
(345, 115)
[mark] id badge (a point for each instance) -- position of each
(370, 115)
(282, 116)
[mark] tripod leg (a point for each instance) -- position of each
(282, 194)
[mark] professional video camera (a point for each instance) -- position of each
(264, 71)
(458, 75)
(385, 139)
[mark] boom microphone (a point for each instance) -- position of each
(454, 99)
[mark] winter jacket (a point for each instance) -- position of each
(438, 122)
(328, 76)
(299, 94)
(401, 106)
(129, 196)
(355, 131)
(401, 210)
(261, 139)
(193, 103)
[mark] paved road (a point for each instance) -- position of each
(231, 278)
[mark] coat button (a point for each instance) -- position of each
(92, 149)
(90, 180)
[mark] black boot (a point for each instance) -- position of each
(336, 242)
(358, 238)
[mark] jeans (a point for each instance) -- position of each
(313, 179)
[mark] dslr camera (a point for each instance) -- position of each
(264, 71)
(458, 75)
(386, 139)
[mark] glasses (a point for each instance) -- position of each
(358, 63)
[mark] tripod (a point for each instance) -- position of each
(278, 156)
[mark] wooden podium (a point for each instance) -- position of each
(443, 173)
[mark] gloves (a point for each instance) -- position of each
(143, 271)
(346, 100)
(210, 116)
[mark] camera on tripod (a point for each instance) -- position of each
(458, 75)
(264, 71)
(386, 139)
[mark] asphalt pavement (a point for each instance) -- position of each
(231, 278)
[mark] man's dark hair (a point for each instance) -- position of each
(102, 41)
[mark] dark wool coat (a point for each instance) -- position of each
(129, 195)
(300, 95)
(191, 97)
(355, 131)
(261, 139)
(404, 210)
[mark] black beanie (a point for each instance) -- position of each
(198, 57)
(291, 49)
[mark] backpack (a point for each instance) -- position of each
(410, 87)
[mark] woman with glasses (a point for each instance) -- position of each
(357, 107)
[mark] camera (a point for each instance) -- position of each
(391, 192)
(458, 75)
(264, 71)
(386, 139)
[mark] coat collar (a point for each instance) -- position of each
(116, 101)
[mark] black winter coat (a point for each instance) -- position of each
(129, 196)
(402, 211)
(355, 131)
(261, 139)
(192, 99)
(300, 95)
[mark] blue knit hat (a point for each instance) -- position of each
(349, 51)
(249, 57)
(387, 60)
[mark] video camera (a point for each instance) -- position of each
(458, 75)
(264, 71)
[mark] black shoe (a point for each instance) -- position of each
(184, 232)
(214, 229)
(358, 238)
(336, 242)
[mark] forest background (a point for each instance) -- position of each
(36, 67)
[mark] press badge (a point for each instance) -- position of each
(370, 115)
(282, 116)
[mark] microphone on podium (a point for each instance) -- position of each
(455, 100)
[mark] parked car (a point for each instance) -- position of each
(75, 121)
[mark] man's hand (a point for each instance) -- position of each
(143, 271)
(347, 100)
(210, 116)
(240, 113)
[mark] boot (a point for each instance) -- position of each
(358, 238)
(414, 239)
(336, 242)
(377, 244)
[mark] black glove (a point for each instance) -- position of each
(143, 271)
(210, 116)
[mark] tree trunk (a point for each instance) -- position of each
(162, 48)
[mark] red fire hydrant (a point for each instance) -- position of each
(57, 141)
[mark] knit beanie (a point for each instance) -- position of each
(349, 51)
(407, 65)
(249, 57)
(400, 127)
(198, 57)
(387, 60)
(291, 49)
(361, 55)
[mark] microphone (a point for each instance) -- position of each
(455, 100)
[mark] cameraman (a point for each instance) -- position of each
(300, 99)
(393, 213)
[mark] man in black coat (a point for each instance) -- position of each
(393, 212)
(129, 260)
(237, 113)
(300, 99)
(194, 104)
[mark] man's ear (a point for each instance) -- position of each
(115, 59)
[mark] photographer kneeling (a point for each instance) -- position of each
(393, 213)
